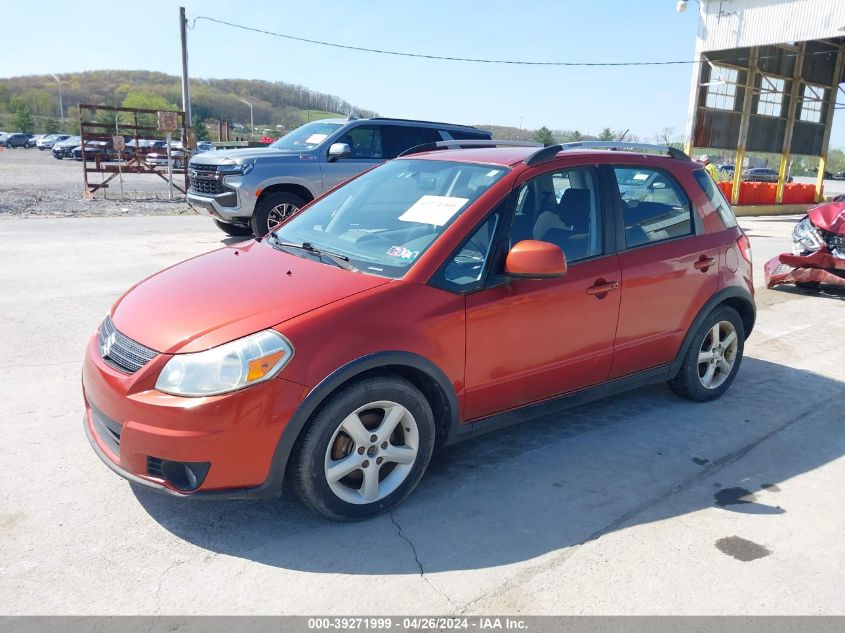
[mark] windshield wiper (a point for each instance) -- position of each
(339, 260)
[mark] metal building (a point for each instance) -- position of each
(767, 80)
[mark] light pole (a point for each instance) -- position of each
(61, 106)
(251, 122)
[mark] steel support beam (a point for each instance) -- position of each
(742, 137)
(791, 116)
(830, 104)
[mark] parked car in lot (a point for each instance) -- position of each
(49, 140)
(158, 157)
(204, 146)
(16, 140)
(762, 174)
(428, 300)
(64, 149)
(726, 171)
(96, 150)
(33, 140)
(248, 191)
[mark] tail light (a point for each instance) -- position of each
(744, 245)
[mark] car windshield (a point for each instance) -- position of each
(385, 219)
(306, 137)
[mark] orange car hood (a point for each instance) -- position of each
(229, 293)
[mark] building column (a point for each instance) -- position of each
(828, 123)
(743, 123)
(791, 115)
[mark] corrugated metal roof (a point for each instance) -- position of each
(727, 24)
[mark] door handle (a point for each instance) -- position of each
(704, 263)
(602, 287)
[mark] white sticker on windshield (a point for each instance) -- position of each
(314, 139)
(437, 210)
(640, 176)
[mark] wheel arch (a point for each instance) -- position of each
(735, 297)
(288, 187)
(425, 375)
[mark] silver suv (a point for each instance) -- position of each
(249, 191)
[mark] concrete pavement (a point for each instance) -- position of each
(641, 503)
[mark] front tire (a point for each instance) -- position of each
(235, 230)
(713, 359)
(272, 209)
(365, 450)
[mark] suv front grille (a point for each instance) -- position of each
(832, 240)
(203, 185)
(120, 351)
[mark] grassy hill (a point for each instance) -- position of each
(274, 103)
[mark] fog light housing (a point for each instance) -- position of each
(185, 476)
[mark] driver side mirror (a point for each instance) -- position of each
(339, 150)
(533, 259)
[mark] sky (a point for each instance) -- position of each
(644, 99)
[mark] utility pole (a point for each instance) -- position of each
(186, 92)
(61, 105)
(251, 122)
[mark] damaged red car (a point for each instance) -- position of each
(818, 252)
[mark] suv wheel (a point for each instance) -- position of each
(713, 359)
(233, 229)
(272, 209)
(365, 450)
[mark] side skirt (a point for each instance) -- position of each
(553, 405)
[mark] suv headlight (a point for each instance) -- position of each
(236, 170)
(241, 363)
(806, 237)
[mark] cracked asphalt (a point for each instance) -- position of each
(638, 504)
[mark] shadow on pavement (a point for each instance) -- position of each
(551, 483)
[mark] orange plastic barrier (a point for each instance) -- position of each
(798, 193)
(727, 188)
(767, 192)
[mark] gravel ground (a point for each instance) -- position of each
(34, 184)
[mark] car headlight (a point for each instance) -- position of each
(805, 237)
(241, 363)
(236, 170)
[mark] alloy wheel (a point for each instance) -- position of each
(372, 452)
(717, 355)
(279, 214)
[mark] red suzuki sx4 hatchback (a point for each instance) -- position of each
(438, 296)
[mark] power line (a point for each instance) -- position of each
(475, 60)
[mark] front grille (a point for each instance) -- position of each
(107, 429)
(206, 186)
(154, 467)
(832, 240)
(120, 351)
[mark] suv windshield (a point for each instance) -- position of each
(306, 137)
(384, 220)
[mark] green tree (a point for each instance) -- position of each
(23, 120)
(544, 136)
(202, 130)
(575, 136)
(51, 126)
(145, 101)
(606, 135)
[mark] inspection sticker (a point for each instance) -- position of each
(314, 139)
(402, 253)
(437, 210)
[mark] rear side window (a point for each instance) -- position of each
(654, 206)
(365, 142)
(466, 135)
(398, 138)
(714, 194)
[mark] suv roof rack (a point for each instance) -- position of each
(548, 153)
(458, 125)
(466, 143)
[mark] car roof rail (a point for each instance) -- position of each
(438, 123)
(466, 144)
(548, 153)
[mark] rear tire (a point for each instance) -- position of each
(713, 359)
(338, 469)
(272, 209)
(235, 230)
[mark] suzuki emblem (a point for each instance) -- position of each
(107, 344)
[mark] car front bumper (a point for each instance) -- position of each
(135, 429)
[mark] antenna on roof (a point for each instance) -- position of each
(352, 116)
